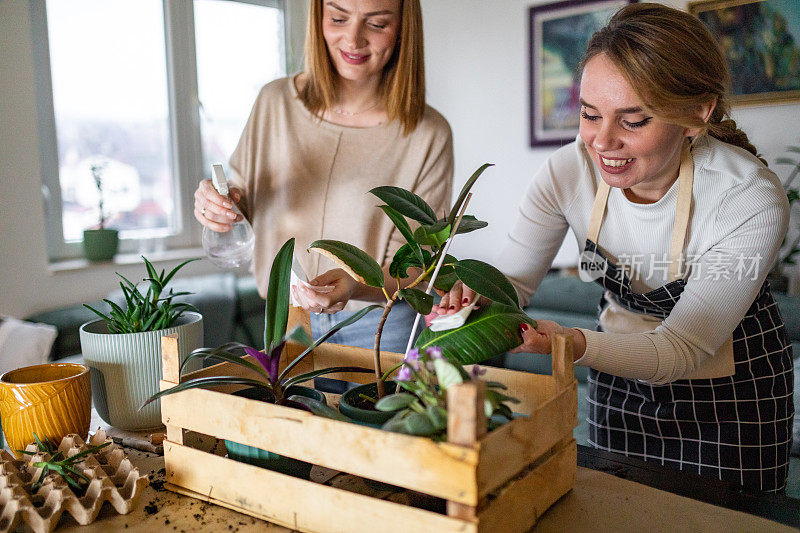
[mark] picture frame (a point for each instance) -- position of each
(760, 40)
(558, 35)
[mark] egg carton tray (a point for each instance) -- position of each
(112, 478)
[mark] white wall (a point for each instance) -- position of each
(477, 72)
(477, 56)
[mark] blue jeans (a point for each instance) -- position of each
(362, 334)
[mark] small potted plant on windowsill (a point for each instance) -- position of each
(123, 348)
(100, 243)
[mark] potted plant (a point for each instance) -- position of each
(269, 384)
(790, 249)
(489, 332)
(123, 348)
(100, 243)
(421, 409)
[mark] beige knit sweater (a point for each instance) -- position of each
(310, 179)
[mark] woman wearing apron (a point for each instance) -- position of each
(691, 366)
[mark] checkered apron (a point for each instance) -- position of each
(736, 428)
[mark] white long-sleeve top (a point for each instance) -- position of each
(739, 218)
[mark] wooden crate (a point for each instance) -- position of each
(500, 481)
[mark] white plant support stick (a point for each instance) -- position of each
(438, 266)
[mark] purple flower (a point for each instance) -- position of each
(477, 371)
(404, 374)
(268, 361)
(412, 355)
(435, 352)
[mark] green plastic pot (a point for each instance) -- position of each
(349, 401)
(100, 244)
(266, 459)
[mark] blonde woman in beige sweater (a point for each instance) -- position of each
(317, 142)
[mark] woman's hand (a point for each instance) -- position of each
(459, 296)
(212, 209)
(332, 291)
(540, 340)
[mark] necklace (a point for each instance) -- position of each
(340, 111)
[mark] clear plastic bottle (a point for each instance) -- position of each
(229, 249)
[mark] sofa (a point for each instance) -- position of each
(233, 310)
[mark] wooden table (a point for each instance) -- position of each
(600, 502)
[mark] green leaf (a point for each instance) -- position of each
(299, 335)
(418, 424)
(406, 203)
(401, 224)
(299, 378)
(173, 271)
(395, 402)
(406, 257)
(435, 234)
(488, 332)
(360, 266)
(421, 302)
(202, 383)
(222, 353)
(438, 416)
(355, 317)
(447, 373)
(451, 218)
(318, 408)
(786, 161)
(446, 278)
(486, 280)
(470, 223)
(276, 315)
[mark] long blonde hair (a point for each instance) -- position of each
(403, 78)
(673, 63)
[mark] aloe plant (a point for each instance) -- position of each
(149, 311)
(267, 377)
(423, 248)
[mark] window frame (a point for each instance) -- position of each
(185, 152)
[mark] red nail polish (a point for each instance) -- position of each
(524, 327)
(465, 301)
(452, 307)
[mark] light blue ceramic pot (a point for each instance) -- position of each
(125, 369)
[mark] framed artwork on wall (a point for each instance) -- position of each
(559, 34)
(761, 42)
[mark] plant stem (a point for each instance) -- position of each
(378, 333)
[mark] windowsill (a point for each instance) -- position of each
(127, 259)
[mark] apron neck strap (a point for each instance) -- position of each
(682, 212)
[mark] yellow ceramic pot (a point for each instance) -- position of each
(52, 400)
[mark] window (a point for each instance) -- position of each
(149, 93)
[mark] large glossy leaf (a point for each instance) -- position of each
(445, 279)
(406, 257)
(276, 315)
(435, 234)
(470, 223)
(485, 279)
(488, 332)
(406, 203)
(451, 218)
(399, 221)
(418, 300)
(357, 263)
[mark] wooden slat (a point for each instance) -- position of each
(170, 370)
(466, 425)
(562, 358)
(532, 390)
(292, 502)
(440, 469)
(508, 449)
(523, 501)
